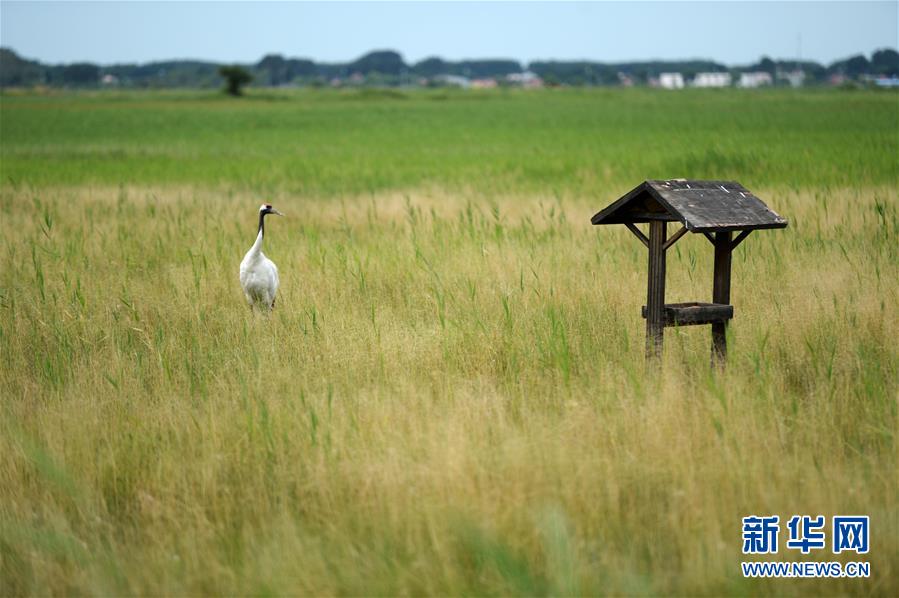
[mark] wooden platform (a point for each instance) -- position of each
(724, 212)
(694, 313)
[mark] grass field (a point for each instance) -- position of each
(450, 396)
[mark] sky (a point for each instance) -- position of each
(732, 32)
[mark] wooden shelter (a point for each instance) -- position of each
(717, 209)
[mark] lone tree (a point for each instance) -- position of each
(235, 78)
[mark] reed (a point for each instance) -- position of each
(450, 396)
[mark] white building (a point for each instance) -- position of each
(487, 83)
(453, 81)
(755, 79)
(712, 80)
(794, 78)
(525, 79)
(671, 81)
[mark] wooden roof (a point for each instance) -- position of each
(702, 206)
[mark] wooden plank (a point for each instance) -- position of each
(739, 239)
(603, 215)
(640, 204)
(703, 206)
(716, 205)
(638, 233)
(695, 314)
(655, 293)
(721, 294)
(646, 216)
(674, 238)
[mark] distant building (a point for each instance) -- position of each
(838, 79)
(887, 81)
(483, 83)
(525, 79)
(671, 81)
(453, 81)
(712, 80)
(755, 79)
(625, 80)
(794, 78)
(109, 80)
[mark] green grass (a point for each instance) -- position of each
(450, 396)
(337, 143)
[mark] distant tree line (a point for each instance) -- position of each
(385, 67)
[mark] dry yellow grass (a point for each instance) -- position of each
(450, 397)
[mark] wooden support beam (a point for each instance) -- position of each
(638, 215)
(637, 233)
(655, 294)
(721, 294)
(709, 237)
(740, 238)
(675, 237)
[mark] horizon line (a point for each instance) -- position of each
(437, 56)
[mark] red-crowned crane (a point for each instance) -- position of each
(258, 274)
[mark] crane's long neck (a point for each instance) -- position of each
(257, 246)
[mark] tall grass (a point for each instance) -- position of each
(449, 398)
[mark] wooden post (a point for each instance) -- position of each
(655, 299)
(721, 294)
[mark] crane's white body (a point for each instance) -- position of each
(258, 274)
(259, 277)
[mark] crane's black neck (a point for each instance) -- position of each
(262, 223)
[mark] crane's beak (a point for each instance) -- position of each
(274, 211)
